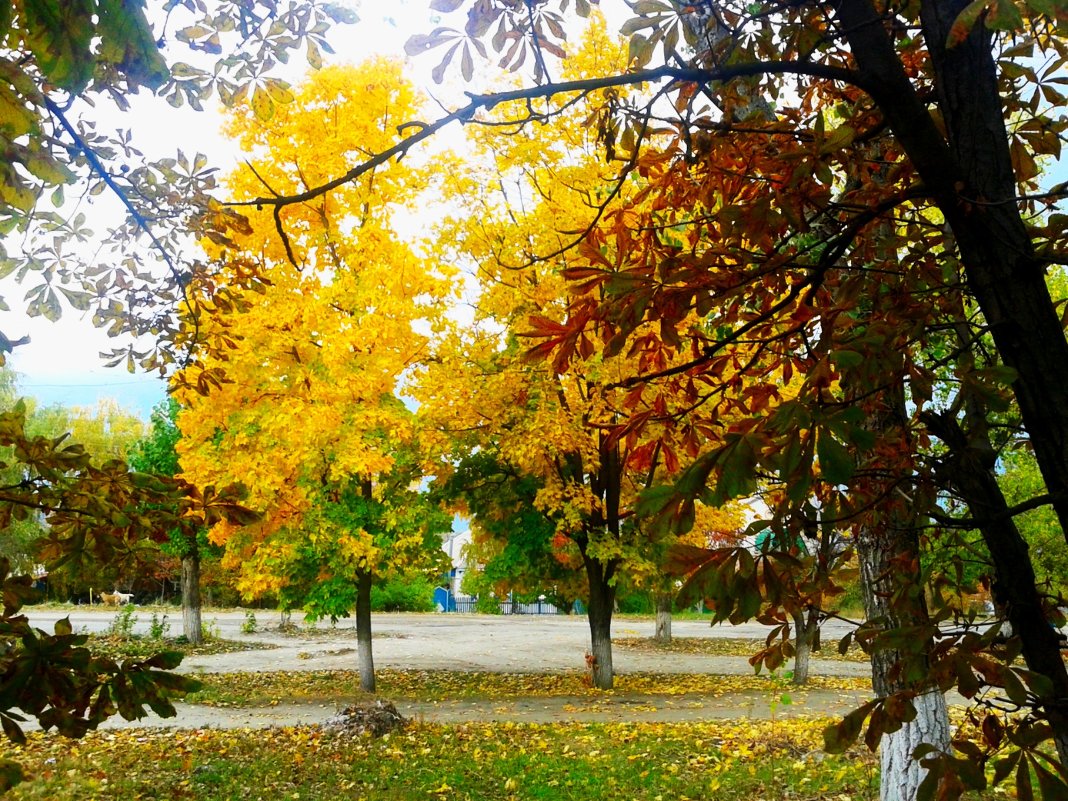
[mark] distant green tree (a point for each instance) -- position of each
(514, 547)
(157, 454)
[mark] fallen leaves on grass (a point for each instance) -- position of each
(119, 647)
(726, 760)
(260, 689)
(723, 646)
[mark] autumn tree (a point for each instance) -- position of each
(557, 421)
(60, 62)
(157, 454)
(95, 510)
(303, 380)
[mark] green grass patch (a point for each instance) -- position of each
(263, 689)
(472, 762)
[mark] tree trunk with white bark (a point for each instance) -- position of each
(192, 627)
(665, 600)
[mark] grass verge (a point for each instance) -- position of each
(725, 646)
(263, 689)
(116, 646)
(727, 761)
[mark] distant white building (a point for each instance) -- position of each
(454, 545)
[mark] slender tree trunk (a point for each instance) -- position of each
(665, 600)
(806, 640)
(602, 600)
(191, 622)
(364, 655)
(970, 469)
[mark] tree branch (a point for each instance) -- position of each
(486, 102)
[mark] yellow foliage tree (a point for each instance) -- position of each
(309, 414)
(560, 421)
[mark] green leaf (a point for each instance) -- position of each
(278, 90)
(1004, 16)
(836, 463)
(58, 33)
(965, 21)
(126, 40)
(165, 660)
(262, 104)
(5, 26)
(1052, 786)
(1014, 687)
(1023, 782)
(10, 774)
(846, 358)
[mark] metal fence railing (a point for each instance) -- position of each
(507, 607)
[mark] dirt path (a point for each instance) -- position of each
(478, 643)
(472, 643)
(557, 709)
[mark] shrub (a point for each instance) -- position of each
(403, 594)
(636, 602)
(486, 604)
(158, 627)
(123, 623)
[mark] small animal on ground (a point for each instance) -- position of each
(116, 598)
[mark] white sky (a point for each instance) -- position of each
(62, 363)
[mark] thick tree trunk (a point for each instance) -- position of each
(191, 623)
(931, 725)
(880, 555)
(888, 550)
(665, 600)
(364, 656)
(602, 600)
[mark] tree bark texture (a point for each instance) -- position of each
(880, 555)
(192, 628)
(900, 773)
(602, 601)
(806, 640)
(364, 656)
(665, 600)
(888, 549)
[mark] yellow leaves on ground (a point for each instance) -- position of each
(475, 761)
(259, 689)
(723, 646)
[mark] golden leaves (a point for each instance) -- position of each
(642, 761)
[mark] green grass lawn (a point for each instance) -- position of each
(741, 760)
